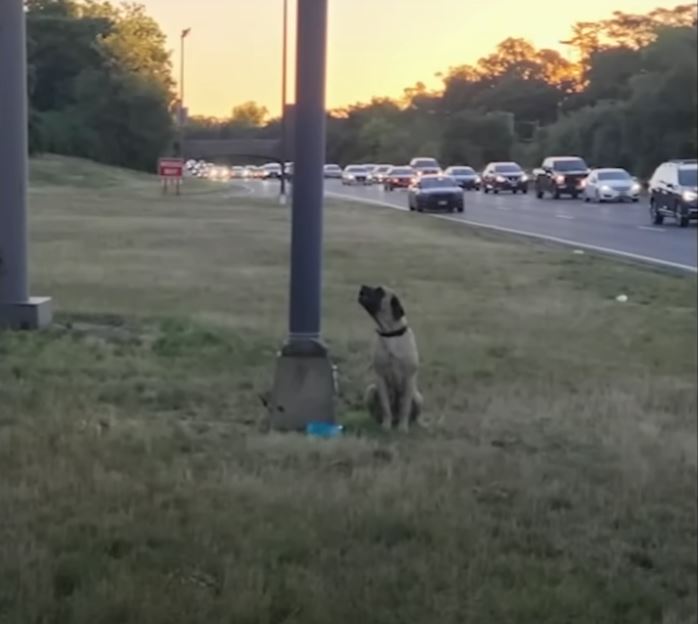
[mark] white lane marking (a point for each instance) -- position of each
(649, 228)
(564, 216)
(545, 237)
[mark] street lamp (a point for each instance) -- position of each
(304, 388)
(183, 36)
(17, 309)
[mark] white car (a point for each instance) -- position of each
(603, 185)
(355, 174)
(333, 172)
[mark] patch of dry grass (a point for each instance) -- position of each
(556, 481)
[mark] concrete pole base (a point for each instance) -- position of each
(37, 313)
(304, 387)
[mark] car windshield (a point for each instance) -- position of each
(688, 177)
(332, 167)
(357, 170)
(614, 175)
(424, 163)
(570, 164)
(401, 171)
(508, 168)
(463, 171)
(383, 169)
(433, 183)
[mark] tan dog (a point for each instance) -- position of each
(395, 398)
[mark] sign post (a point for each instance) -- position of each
(304, 386)
(171, 172)
(17, 309)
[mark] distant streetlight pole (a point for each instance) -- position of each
(284, 92)
(304, 389)
(181, 120)
(17, 309)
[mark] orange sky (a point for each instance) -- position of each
(377, 47)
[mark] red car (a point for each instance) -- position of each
(398, 177)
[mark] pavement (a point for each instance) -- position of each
(617, 229)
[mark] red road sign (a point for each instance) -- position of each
(171, 168)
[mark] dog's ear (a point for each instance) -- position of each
(396, 306)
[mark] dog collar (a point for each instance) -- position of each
(394, 334)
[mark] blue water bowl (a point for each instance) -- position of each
(324, 430)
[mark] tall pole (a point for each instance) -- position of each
(14, 280)
(308, 186)
(17, 309)
(284, 92)
(304, 387)
(182, 40)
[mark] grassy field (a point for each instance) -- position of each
(554, 483)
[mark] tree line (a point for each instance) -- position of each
(100, 82)
(100, 86)
(628, 99)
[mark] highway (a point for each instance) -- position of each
(620, 229)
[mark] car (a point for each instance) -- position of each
(271, 171)
(466, 177)
(377, 175)
(611, 185)
(561, 175)
(355, 174)
(237, 172)
(333, 172)
(436, 193)
(673, 191)
(398, 177)
(425, 166)
(504, 176)
(219, 174)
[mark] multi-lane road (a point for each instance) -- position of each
(621, 229)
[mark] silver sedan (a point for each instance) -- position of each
(611, 185)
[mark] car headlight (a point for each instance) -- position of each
(606, 189)
(636, 188)
(560, 179)
(478, 179)
(689, 196)
(524, 178)
(500, 179)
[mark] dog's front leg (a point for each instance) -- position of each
(406, 401)
(386, 410)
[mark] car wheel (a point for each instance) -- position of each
(515, 191)
(461, 208)
(656, 216)
(575, 195)
(635, 200)
(683, 220)
(525, 191)
(539, 193)
(556, 194)
(495, 191)
(485, 190)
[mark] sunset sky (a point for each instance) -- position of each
(376, 47)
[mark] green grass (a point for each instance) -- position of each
(555, 481)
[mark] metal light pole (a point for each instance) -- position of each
(284, 91)
(304, 388)
(17, 309)
(183, 36)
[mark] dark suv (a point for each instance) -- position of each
(561, 175)
(504, 176)
(674, 192)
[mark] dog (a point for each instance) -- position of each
(394, 399)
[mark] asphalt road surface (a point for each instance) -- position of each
(622, 229)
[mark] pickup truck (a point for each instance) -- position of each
(561, 175)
